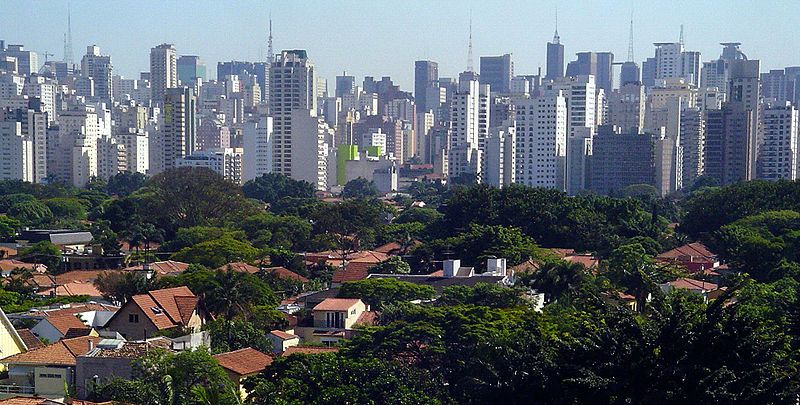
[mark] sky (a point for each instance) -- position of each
(383, 38)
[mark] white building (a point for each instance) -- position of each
(16, 153)
(75, 149)
(163, 71)
(99, 68)
(178, 125)
(137, 150)
(374, 140)
(542, 141)
(693, 139)
(27, 61)
(778, 155)
(292, 87)
(469, 115)
(257, 141)
(580, 94)
(500, 157)
(227, 162)
(672, 61)
(45, 90)
(311, 138)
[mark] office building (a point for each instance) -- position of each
(426, 85)
(312, 140)
(626, 107)
(497, 71)
(629, 73)
(597, 64)
(16, 152)
(27, 62)
(672, 61)
(728, 156)
(778, 157)
(190, 69)
(257, 142)
(555, 58)
(692, 142)
(620, 160)
(345, 85)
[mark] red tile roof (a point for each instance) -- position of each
(353, 272)
(167, 308)
(283, 272)
(60, 353)
(240, 267)
(153, 311)
(11, 264)
(695, 249)
(165, 268)
(166, 299)
(309, 350)
(587, 261)
(283, 335)
(336, 304)
(186, 307)
(31, 341)
(367, 318)
(244, 362)
(692, 284)
(65, 322)
(19, 400)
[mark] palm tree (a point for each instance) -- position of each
(557, 278)
(228, 297)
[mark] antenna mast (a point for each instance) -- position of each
(68, 40)
(630, 41)
(469, 52)
(270, 52)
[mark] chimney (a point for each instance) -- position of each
(450, 267)
(91, 345)
(496, 266)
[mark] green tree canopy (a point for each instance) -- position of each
(380, 291)
(31, 213)
(217, 252)
(125, 183)
(273, 187)
(360, 188)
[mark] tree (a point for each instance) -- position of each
(273, 187)
(9, 200)
(278, 231)
(379, 291)
(188, 237)
(217, 252)
(8, 227)
(393, 265)
(66, 208)
(555, 279)
(188, 196)
(125, 183)
(421, 215)
(483, 294)
(44, 253)
(235, 334)
(350, 225)
(119, 287)
(360, 188)
(105, 237)
(30, 213)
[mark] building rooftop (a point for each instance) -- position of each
(337, 304)
(244, 362)
(61, 353)
(309, 350)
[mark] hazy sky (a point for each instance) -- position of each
(381, 38)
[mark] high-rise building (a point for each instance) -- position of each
(672, 61)
(179, 125)
(501, 155)
(778, 157)
(497, 71)
(626, 107)
(620, 160)
(257, 142)
(581, 96)
(744, 89)
(597, 64)
(17, 153)
(776, 85)
(426, 85)
(649, 72)
(541, 131)
(692, 142)
(312, 140)
(729, 142)
(469, 131)
(227, 162)
(293, 87)
(99, 68)
(33, 124)
(345, 85)
(629, 73)
(27, 61)
(716, 73)
(74, 151)
(190, 68)
(555, 58)
(44, 89)
(163, 71)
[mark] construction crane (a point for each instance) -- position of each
(46, 55)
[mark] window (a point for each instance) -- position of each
(133, 318)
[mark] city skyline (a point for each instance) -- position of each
(41, 26)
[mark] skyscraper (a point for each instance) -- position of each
(293, 87)
(99, 68)
(497, 71)
(426, 78)
(620, 160)
(163, 71)
(541, 126)
(597, 64)
(778, 157)
(555, 58)
(729, 142)
(179, 125)
(189, 69)
(465, 151)
(672, 61)
(345, 85)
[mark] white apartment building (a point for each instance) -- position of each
(469, 115)
(257, 142)
(541, 149)
(292, 87)
(178, 125)
(778, 155)
(163, 71)
(225, 161)
(311, 139)
(16, 153)
(500, 157)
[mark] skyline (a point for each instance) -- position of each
(40, 26)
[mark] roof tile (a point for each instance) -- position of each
(245, 361)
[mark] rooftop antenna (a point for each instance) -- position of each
(681, 37)
(68, 39)
(469, 52)
(270, 51)
(556, 38)
(630, 41)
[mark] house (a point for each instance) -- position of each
(349, 267)
(160, 269)
(86, 310)
(55, 328)
(20, 400)
(31, 341)
(243, 363)
(11, 342)
(696, 257)
(453, 273)
(706, 289)
(158, 311)
(66, 239)
(109, 359)
(282, 340)
(9, 265)
(49, 369)
(335, 319)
